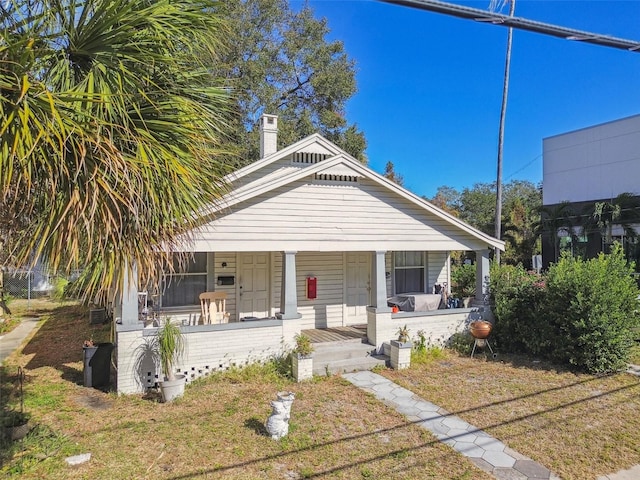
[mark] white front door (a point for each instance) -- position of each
(358, 287)
(253, 285)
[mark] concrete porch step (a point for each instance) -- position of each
(345, 356)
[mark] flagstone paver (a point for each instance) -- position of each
(486, 452)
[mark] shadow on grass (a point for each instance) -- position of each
(59, 340)
(256, 425)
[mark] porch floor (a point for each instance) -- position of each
(337, 334)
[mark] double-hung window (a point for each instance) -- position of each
(409, 271)
(184, 287)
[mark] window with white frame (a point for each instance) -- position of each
(184, 286)
(409, 271)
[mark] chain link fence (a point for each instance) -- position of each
(27, 283)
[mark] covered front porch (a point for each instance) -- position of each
(352, 290)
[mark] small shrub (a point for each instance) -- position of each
(427, 355)
(420, 342)
(461, 342)
(60, 292)
(303, 347)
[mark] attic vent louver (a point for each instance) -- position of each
(308, 158)
(336, 178)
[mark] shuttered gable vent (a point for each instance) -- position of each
(308, 158)
(326, 177)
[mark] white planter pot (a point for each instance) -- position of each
(172, 389)
(400, 354)
(302, 367)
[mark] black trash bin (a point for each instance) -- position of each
(97, 364)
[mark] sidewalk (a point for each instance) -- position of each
(486, 452)
(12, 340)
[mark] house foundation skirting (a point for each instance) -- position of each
(213, 348)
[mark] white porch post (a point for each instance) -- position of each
(379, 284)
(379, 326)
(128, 311)
(288, 293)
(482, 276)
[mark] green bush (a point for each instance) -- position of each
(592, 311)
(581, 313)
(461, 342)
(463, 280)
(60, 289)
(518, 302)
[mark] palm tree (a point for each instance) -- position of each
(624, 211)
(503, 113)
(110, 134)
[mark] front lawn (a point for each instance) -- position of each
(580, 426)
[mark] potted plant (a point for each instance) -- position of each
(401, 350)
(170, 343)
(302, 358)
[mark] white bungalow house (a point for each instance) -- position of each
(307, 238)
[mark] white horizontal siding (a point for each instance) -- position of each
(438, 271)
(228, 271)
(326, 309)
(313, 217)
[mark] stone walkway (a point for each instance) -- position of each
(486, 452)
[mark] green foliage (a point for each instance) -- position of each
(461, 342)
(517, 298)
(303, 347)
(420, 342)
(403, 334)
(592, 310)
(170, 344)
(391, 174)
(60, 289)
(278, 61)
(582, 313)
(427, 355)
(463, 279)
(112, 131)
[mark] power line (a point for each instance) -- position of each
(521, 23)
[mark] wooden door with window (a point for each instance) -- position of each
(253, 285)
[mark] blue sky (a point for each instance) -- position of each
(430, 85)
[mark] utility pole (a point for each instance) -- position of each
(503, 114)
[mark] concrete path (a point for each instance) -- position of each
(632, 474)
(12, 340)
(486, 452)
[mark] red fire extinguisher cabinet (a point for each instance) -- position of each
(312, 287)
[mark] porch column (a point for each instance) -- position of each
(379, 284)
(482, 276)
(379, 325)
(288, 293)
(129, 297)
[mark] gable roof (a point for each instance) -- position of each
(339, 164)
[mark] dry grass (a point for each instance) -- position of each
(579, 426)
(214, 431)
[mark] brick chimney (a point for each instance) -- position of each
(268, 134)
